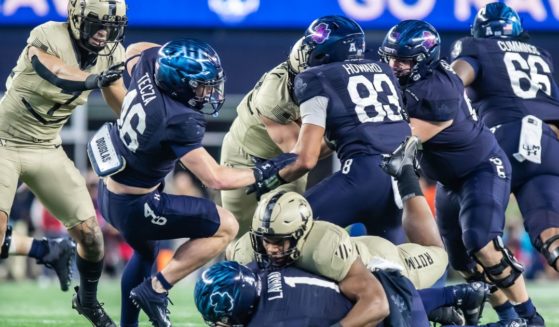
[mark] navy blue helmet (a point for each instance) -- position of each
(190, 71)
(227, 292)
(497, 20)
(332, 39)
(414, 40)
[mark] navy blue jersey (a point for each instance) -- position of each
(463, 146)
(364, 115)
(514, 79)
(153, 130)
(293, 297)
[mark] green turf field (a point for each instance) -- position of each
(28, 304)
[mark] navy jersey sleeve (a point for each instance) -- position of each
(423, 106)
(185, 134)
(465, 47)
(307, 85)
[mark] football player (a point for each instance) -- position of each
(231, 294)
(284, 232)
(514, 91)
(355, 104)
(463, 156)
(267, 124)
(162, 122)
(56, 71)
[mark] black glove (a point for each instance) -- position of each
(106, 78)
(266, 173)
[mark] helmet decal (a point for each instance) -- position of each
(221, 302)
(429, 40)
(321, 33)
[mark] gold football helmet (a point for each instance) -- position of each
(97, 24)
(282, 219)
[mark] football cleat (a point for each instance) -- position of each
(95, 313)
(470, 299)
(404, 155)
(152, 303)
(535, 321)
(62, 252)
(446, 316)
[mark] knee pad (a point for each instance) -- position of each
(543, 247)
(508, 260)
(5, 249)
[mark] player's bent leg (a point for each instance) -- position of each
(505, 272)
(538, 199)
(419, 223)
(5, 236)
(89, 260)
(152, 295)
(424, 265)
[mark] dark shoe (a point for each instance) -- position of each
(518, 322)
(152, 303)
(403, 155)
(471, 300)
(95, 313)
(536, 321)
(446, 316)
(62, 252)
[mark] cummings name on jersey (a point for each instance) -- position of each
(362, 68)
(146, 88)
(516, 46)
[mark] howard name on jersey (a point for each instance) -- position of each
(153, 130)
(364, 110)
(36, 109)
(515, 79)
(463, 146)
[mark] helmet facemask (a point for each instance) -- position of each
(281, 224)
(207, 92)
(94, 29)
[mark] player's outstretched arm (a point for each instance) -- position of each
(362, 287)
(56, 66)
(213, 175)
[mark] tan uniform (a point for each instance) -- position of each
(329, 251)
(32, 112)
(247, 137)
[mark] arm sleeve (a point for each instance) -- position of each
(313, 111)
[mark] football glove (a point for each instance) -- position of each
(106, 77)
(266, 173)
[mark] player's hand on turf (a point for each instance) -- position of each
(266, 173)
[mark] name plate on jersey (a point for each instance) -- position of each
(102, 153)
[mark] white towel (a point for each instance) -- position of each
(530, 143)
(397, 197)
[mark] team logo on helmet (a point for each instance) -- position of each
(221, 302)
(429, 40)
(321, 33)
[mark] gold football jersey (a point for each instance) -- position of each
(33, 109)
(269, 98)
(329, 251)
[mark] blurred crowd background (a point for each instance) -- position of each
(251, 36)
